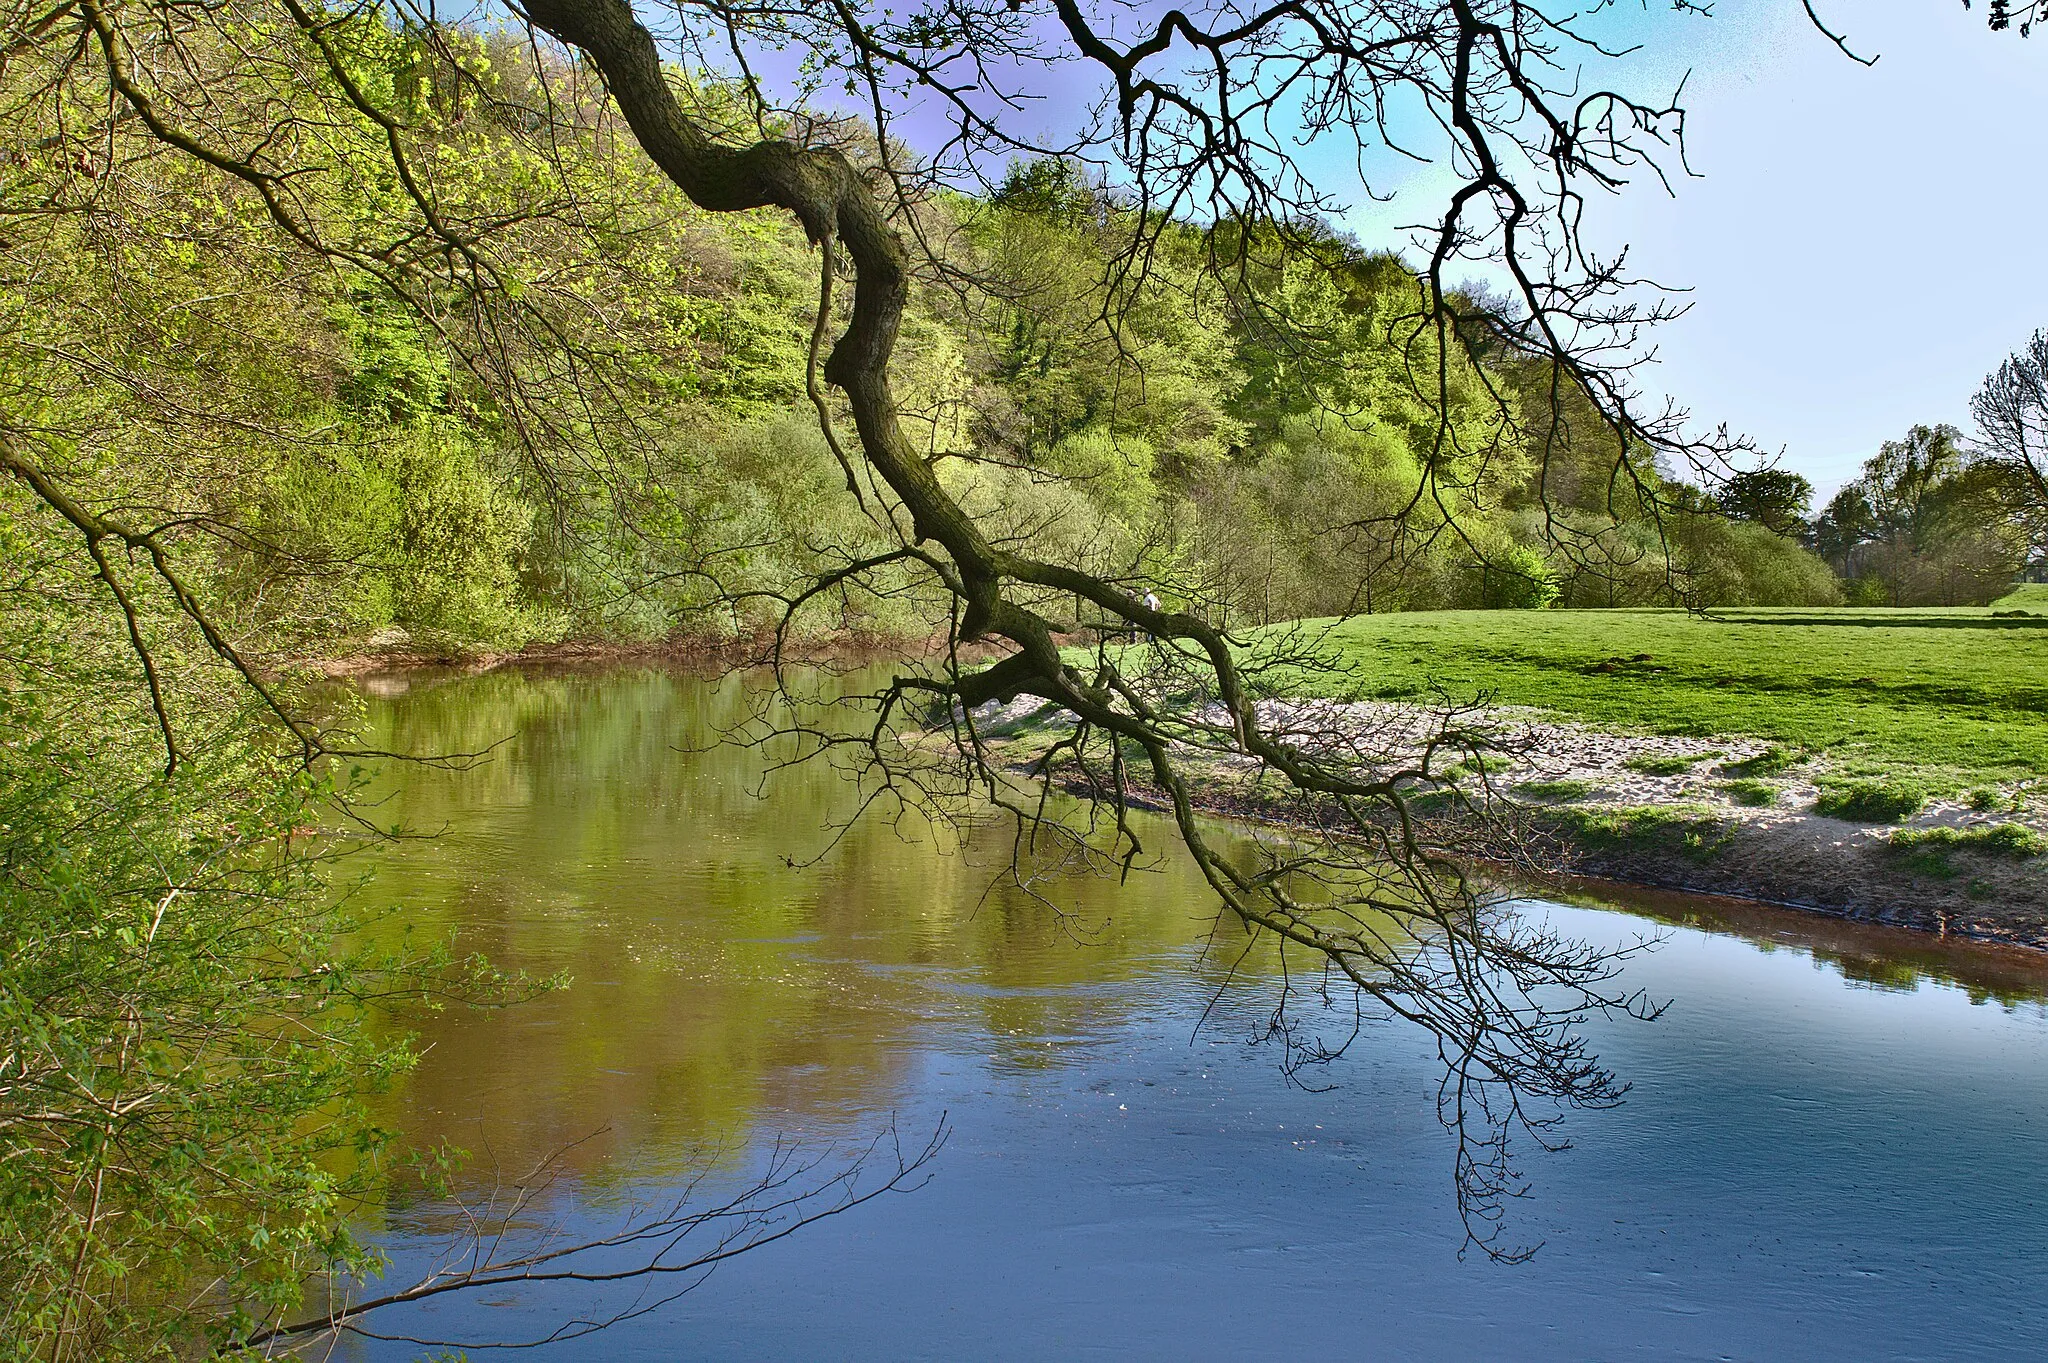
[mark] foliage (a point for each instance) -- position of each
(1777, 499)
(1926, 524)
(604, 443)
(184, 1136)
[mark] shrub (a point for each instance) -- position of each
(1735, 563)
(1514, 577)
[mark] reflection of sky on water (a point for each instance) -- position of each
(1807, 1165)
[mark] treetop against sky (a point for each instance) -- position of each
(1836, 240)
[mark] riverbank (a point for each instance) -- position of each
(1733, 817)
(1880, 766)
(394, 651)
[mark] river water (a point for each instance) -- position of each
(1835, 1145)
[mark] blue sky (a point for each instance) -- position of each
(1863, 245)
(1860, 246)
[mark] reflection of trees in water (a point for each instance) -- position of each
(717, 988)
(722, 994)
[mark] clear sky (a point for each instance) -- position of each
(1864, 245)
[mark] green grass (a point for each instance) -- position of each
(1770, 762)
(1555, 790)
(1662, 766)
(1869, 799)
(1954, 697)
(1690, 830)
(2027, 596)
(1756, 794)
(1927, 849)
(2000, 839)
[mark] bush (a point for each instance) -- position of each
(1870, 800)
(1516, 577)
(185, 1120)
(1736, 563)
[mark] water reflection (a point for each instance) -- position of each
(1872, 954)
(1119, 1183)
(717, 975)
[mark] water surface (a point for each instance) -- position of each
(1834, 1147)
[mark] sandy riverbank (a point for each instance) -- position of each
(1669, 812)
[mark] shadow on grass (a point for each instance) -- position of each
(1851, 619)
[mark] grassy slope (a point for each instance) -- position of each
(1954, 695)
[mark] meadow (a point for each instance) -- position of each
(1949, 696)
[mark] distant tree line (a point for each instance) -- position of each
(1936, 518)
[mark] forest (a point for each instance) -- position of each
(332, 462)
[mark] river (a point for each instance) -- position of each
(1835, 1144)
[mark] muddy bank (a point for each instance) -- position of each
(395, 651)
(1674, 813)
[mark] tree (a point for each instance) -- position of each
(1196, 139)
(1927, 524)
(2003, 15)
(1777, 499)
(2011, 411)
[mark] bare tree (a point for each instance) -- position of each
(2011, 412)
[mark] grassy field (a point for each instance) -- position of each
(1953, 697)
